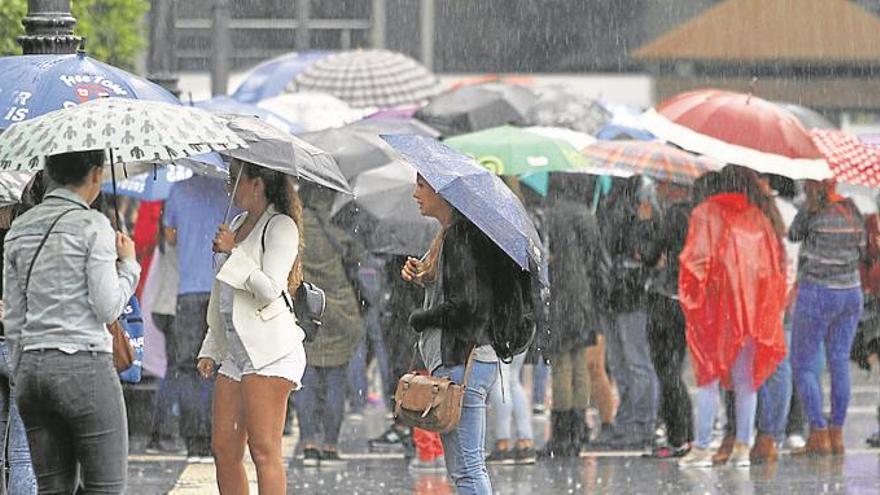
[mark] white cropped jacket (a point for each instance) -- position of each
(264, 322)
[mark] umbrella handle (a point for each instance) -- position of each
(115, 196)
(232, 197)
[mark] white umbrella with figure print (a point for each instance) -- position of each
(130, 131)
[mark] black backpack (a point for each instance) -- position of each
(516, 299)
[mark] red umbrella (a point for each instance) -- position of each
(741, 129)
(852, 160)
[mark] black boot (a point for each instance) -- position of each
(580, 432)
(560, 435)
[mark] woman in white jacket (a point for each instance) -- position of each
(252, 331)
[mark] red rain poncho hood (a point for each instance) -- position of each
(731, 286)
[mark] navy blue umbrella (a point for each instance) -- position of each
(272, 76)
(477, 194)
(32, 85)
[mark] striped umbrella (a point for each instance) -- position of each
(370, 78)
(651, 158)
(852, 160)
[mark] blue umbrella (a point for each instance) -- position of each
(479, 195)
(271, 77)
(151, 186)
(32, 85)
(226, 104)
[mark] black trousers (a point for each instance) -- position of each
(666, 336)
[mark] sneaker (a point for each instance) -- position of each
(740, 456)
(391, 437)
(670, 452)
(539, 410)
(435, 465)
(505, 457)
(697, 458)
(794, 442)
(527, 455)
(331, 457)
(164, 446)
(311, 458)
(872, 441)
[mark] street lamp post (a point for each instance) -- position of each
(48, 28)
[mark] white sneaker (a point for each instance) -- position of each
(794, 442)
(696, 458)
(438, 464)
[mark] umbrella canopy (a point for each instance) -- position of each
(650, 158)
(151, 186)
(370, 78)
(225, 104)
(510, 150)
(560, 108)
(130, 130)
(479, 195)
(275, 149)
(740, 129)
(273, 77)
(852, 160)
(312, 111)
(355, 152)
(808, 117)
(393, 126)
(404, 112)
(34, 85)
(383, 215)
(474, 108)
(12, 184)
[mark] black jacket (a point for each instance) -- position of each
(467, 265)
(575, 246)
(668, 239)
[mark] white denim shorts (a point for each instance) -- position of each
(237, 363)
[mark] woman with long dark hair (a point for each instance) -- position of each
(732, 291)
(252, 333)
(454, 329)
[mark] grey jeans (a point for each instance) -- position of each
(75, 418)
(628, 355)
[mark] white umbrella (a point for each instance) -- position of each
(128, 130)
(313, 111)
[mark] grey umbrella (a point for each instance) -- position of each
(474, 108)
(275, 149)
(808, 117)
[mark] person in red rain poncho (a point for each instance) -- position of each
(732, 291)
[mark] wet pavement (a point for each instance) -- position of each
(364, 472)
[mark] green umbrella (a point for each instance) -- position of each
(510, 150)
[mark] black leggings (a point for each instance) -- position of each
(666, 335)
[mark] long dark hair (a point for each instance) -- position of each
(281, 191)
(736, 179)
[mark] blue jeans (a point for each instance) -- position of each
(509, 400)
(465, 459)
(746, 400)
(539, 381)
(320, 404)
(774, 397)
(21, 473)
(828, 316)
(357, 367)
(629, 361)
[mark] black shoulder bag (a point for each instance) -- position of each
(309, 301)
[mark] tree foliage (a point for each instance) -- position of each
(114, 29)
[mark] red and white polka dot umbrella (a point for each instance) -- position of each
(852, 160)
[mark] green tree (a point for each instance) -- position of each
(114, 29)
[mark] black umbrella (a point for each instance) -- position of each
(474, 108)
(278, 150)
(382, 215)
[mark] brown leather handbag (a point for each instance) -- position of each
(123, 352)
(430, 403)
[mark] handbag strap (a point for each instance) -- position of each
(27, 279)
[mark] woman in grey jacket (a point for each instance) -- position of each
(66, 276)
